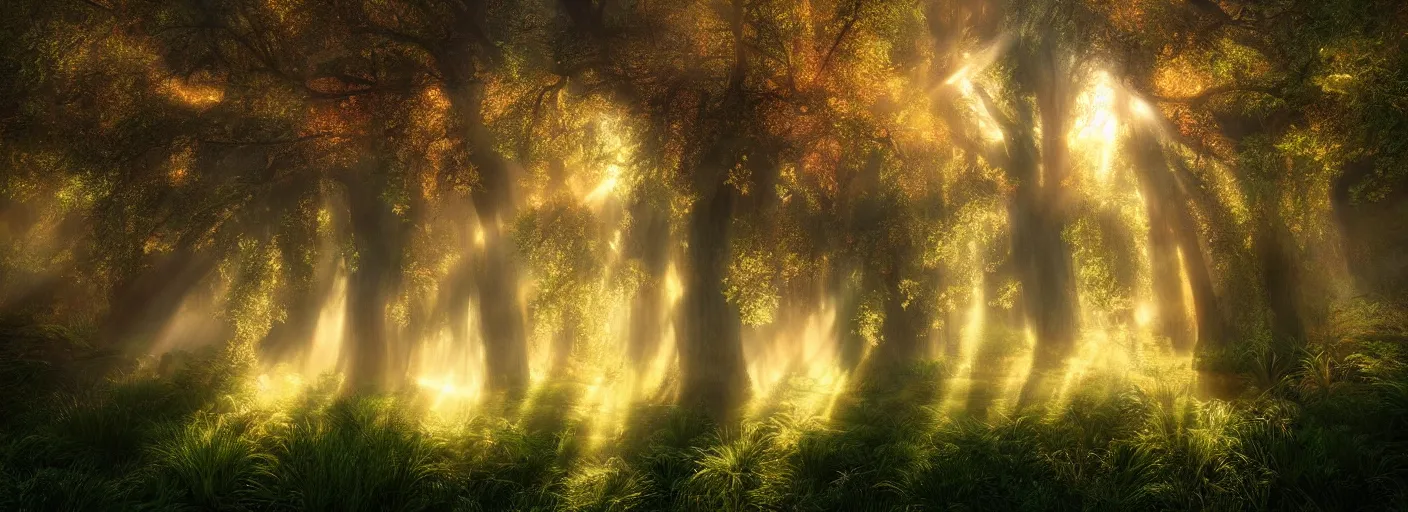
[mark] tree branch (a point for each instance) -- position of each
(841, 36)
(1202, 98)
(272, 142)
(96, 5)
(525, 144)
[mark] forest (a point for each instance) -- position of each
(605, 255)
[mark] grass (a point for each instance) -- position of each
(1325, 431)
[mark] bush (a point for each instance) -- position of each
(358, 455)
(209, 464)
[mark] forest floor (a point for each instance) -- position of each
(1311, 431)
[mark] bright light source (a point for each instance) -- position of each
(604, 189)
(1141, 108)
(1143, 314)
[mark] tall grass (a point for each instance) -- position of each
(210, 464)
(1323, 430)
(360, 454)
(740, 471)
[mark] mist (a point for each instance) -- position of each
(582, 213)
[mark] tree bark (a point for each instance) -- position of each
(378, 242)
(714, 375)
(711, 353)
(1155, 185)
(1037, 215)
(500, 312)
(1211, 323)
(651, 246)
(1280, 282)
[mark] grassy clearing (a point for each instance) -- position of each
(1328, 433)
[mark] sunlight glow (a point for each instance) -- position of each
(280, 388)
(1096, 126)
(192, 94)
(326, 349)
(1190, 309)
(602, 190)
(451, 371)
(987, 124)
(1141, 108)
(963, 80)
(1144, 314)
(436, 254)
(1017, 373)
(795, 364)
(194, 324)
(617, 150)
(970, 338)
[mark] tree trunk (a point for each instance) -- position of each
(1037, 215)
(714, 375)
(1048, 291)
(1280, 283)
(500, 312)
(650, 244)
(1205, 302)
(377, 240)
(1155, 184)
(1041, 261)
(1206, 305)
(501, 318)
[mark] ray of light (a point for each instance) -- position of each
(325, 349)
(970, 339)
(797, 364)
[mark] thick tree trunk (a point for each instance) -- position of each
(1040, 258)
(501, 318)
(1211, 324)
(500, 312)
(377, 239)
(1170, 315)
(651, 245)
(714, 375)
(1280, 282)
(1048, 291)
(1037, 216)
(1054, 272)
(1048, 285)
(458, 294)
(646, 320)
(1155, 183)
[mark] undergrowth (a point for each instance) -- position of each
(1326, 431)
